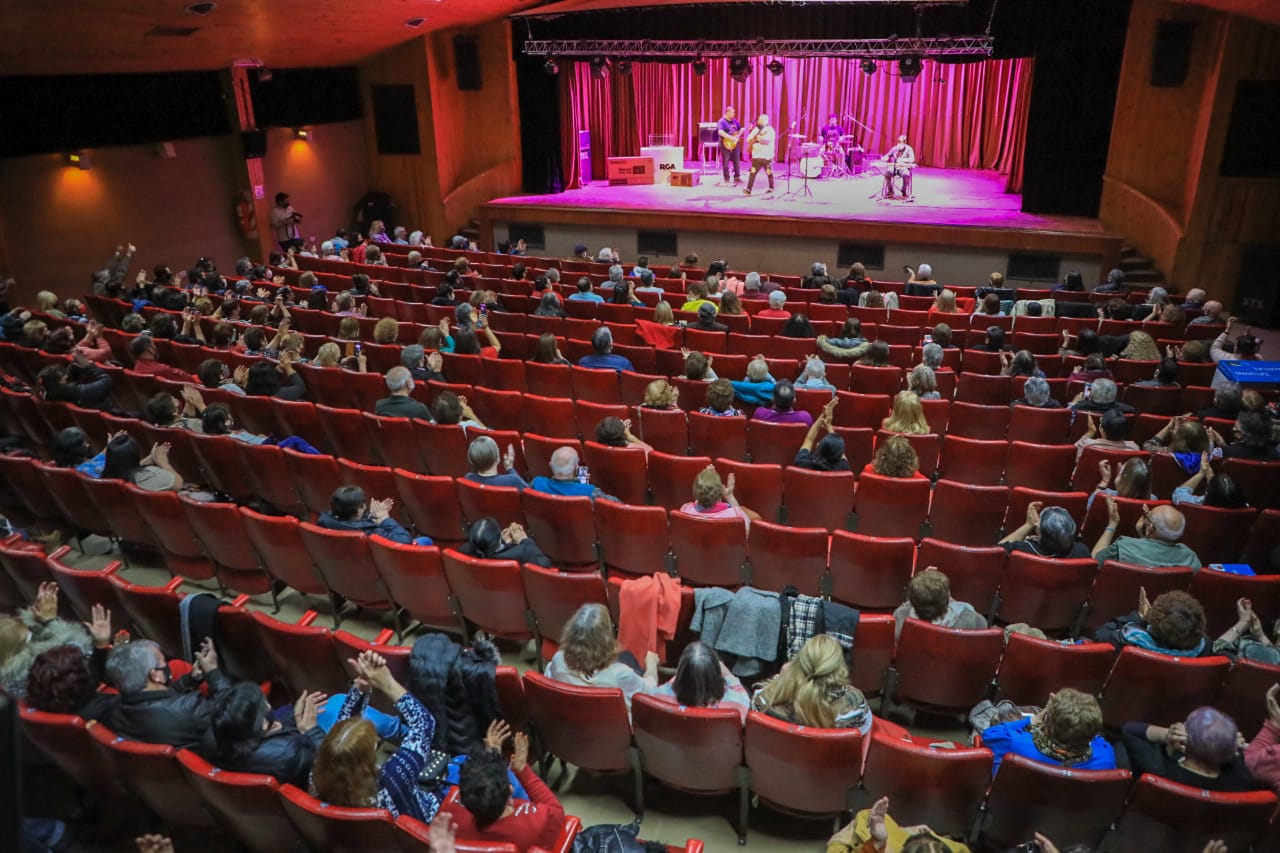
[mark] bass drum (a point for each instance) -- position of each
(811, 167)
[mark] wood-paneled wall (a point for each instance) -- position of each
(470, 140)
(1162, 189)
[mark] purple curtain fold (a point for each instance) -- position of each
(969, 116)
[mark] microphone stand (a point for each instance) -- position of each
(805, 191)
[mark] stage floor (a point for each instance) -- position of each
(943, 197)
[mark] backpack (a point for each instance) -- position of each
(614, 838)
(458, 686)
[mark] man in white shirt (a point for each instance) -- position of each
(762, 143)
(901, 159)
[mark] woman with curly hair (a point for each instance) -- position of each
(660, 394)
(907, 417)
(895, 457)
(1142, 347)
(813, 689)
(1171, 625)
(589, 656)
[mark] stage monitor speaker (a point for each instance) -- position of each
(1255, 117)
(534, 236)
(395, 119)
(656, 243)
(1171, 53)
(466, 59)
(255, 144)
(870, 255)
(1033, 266)
(584, 158)
(1256, 302)
(708, 133)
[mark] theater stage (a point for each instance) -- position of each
(960, 208)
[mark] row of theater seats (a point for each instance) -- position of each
(703, 751)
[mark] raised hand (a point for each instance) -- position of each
(99, 626)
(307, 710)
(441, 834)
(207, 656)
(497, 735)
(520, 755)
(875, 822)
(1033, 514)
(45, 607)
(1104, 472)
(154, 844)
(1113, 512)
(1144, 603)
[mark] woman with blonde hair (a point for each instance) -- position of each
(589, 656)
(714, 498)
(385, 331)
(663, 315)
(328, 355)
(346, 769)
(895, 457)
(907, 417)
(660, 394)
(47, 303)
(1142, 347)
(813, 689)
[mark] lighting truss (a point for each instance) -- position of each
(886, 48)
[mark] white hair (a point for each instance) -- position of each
(1165, 531)
(398, 378)
(605, 255)
(1036, 390)
(925, 271)
(564, 463)
(931, 355)
(816, 368)
(615, 273)
(326, 248)
(1104, 391)
(752, 281)
(777, 299)
(553, 275)
(1157, 295)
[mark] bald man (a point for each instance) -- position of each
(1195, 298)
(1156, 543)
(567, 478)
(1210, 314)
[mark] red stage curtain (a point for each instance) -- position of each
(968, 116)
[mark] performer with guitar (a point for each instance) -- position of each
(730, 131)
(901, 159)
(761, 143)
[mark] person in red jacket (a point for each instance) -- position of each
(485, 809)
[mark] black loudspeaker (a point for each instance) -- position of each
(1256, 301)
(1171, 53)
(1250, 150)
(656, 243)
(1033, 266)
(466, 60)
(395, 119)
(255, 143)
(870, 255)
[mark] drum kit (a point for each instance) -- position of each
(820, 161)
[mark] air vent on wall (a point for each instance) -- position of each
(172, 32)
(201, 8)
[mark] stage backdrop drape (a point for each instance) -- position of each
(970, 116)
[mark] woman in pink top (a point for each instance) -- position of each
(713, 499)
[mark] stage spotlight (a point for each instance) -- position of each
(599, 67)
(775, 67)
(700, 67)
(868, 66)
(623, 67)
(909, 68)
(740, 68)
(301, 133)
(79, 160)
(550, 68)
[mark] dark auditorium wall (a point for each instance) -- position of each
(1162, 188)
(59, 223)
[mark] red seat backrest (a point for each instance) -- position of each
(802, 769)
(587, 726)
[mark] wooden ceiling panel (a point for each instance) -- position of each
(112, 36)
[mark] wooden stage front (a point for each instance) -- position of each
(952, 208)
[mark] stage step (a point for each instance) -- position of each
(1139, 270)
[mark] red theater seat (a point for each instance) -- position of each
(804, 770)
(870, 571)
(337, 828)
(782, 556)
(944, 667)
(585, 726)
(891, 506)
(1031, 668)
(1076, 806)
(818, 498)
(1159, 689)
(633, 539)
(489, 593)
(967, 514)
(1166, 816)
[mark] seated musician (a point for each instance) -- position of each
(901, 159)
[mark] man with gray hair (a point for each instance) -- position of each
(1195, 298)
(567, 478)
(553, 276)
(422, 367)
(400, 405)
(752, 288)
(814, 376)
(1157, 296)
(482, 456)
(616, 275)
(1099, 397)
(602, 356)
(931, 355)
(1156, 544)
(1047, 532)
(1035, 393)
(1210, 314)
(776, 311)
(155, 708)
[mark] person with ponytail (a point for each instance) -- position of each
(813, 690)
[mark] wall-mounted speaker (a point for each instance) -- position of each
(1171, 53)
(870, 255)
(395, 119)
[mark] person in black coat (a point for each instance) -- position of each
(490, 542)
(244, 737)
(82, 383)
(153, 707)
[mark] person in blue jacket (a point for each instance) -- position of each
(350, 509)
(1065, 733)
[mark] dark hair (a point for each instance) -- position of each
(163, 326)
(1167, 372)
(51, 379)
(698, 681)
(254, 337)
(1087, 342)
(1176, 620)
(784, 396)
(621, 294)
(852, 328)
(347, 502)
(59, 681)
(465, 342)
(1073, 281)
(483, 787)
(447, 409)
(1255, 429)
(211, 372)
(139, 345)
(236, 720)
(124, 458)
(1224, 492)
(798, 326)
(161, 408)
(1246, 345)
(485, 537)
(831, 449)
(360, 282)
(216, 419)
(264, 380)
(1034, 309)
(995, 337)
(1115, 426)
(317, 300)
(612, 432)
(70, 447)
